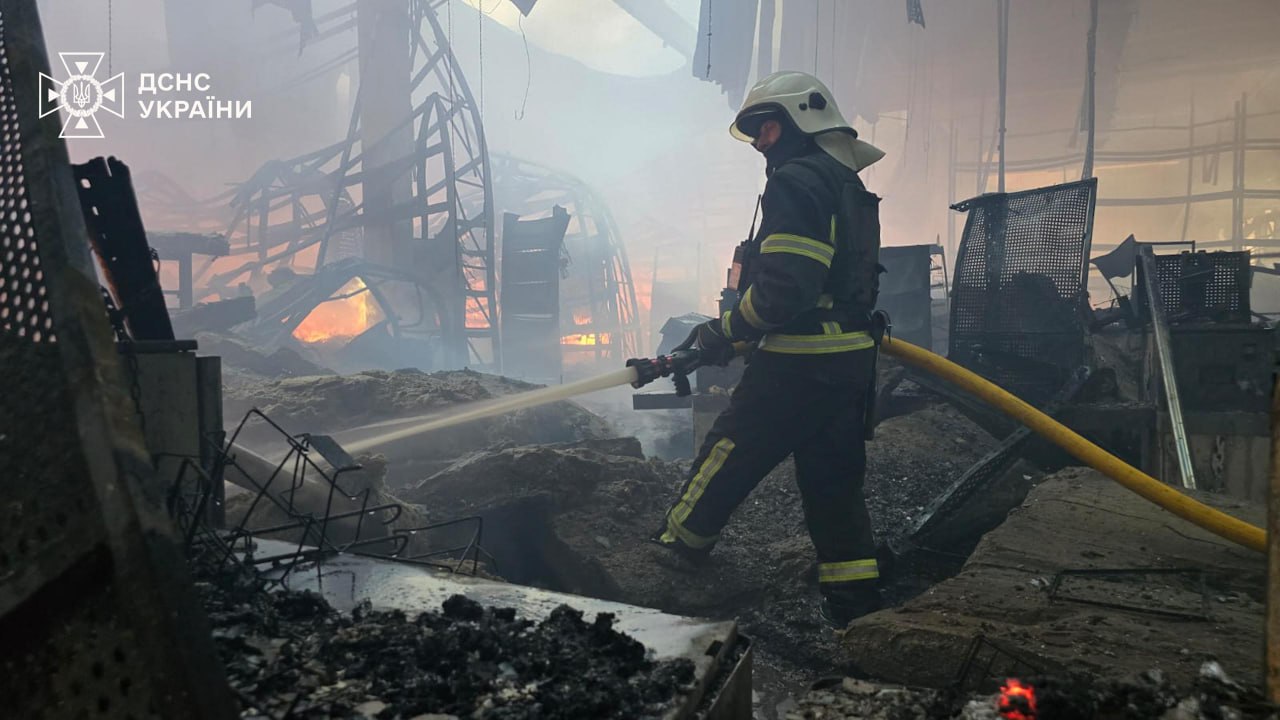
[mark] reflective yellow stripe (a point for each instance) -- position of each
(848, 571)
(749, 312)
(830, 328)
(816, 344)
(715, 460)
(724, 323)
(675, 531)
(826, 302)
(833, 234)
(798, 245)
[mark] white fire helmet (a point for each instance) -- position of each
(812, 108)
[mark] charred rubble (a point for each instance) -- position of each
(288, 653)
(1212, 694)
(574, 515)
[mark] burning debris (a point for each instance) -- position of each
(1211, 695)
(349, 312)
(1016, 701)
(288, 653)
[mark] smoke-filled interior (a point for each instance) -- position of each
(422, 377)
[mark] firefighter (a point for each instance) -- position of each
(807, 282)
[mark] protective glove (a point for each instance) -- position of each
(716, 348)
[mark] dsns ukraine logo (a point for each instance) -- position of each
(81, 95)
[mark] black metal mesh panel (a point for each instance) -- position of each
(1019, 287)
(89, 666)
(24, 305)
(48, 521)
(1205, 284)
(97, 618)
(49, 513)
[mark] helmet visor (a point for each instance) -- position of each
(746, 127)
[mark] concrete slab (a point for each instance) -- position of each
(1078, 519)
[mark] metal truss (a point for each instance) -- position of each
(315, 203)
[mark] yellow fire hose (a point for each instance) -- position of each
(1197, 513)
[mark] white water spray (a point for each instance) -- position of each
(488, 408)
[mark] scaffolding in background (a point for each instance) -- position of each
(1238, 147)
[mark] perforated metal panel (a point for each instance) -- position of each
(47, 522)
(1018, 295)
(1204, 285)
(88, 666)
(24, 304)
(97, 617)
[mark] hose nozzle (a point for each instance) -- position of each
(677, 366)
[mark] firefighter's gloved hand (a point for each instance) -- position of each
(716, 348)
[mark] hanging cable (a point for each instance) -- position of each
(453, 92)
(817, 32)
(448, 10)
(446, 126)
(911, 96)
(928, 104)
(1002, 11)
(528, 68)
(835, 10)
(709, 4)
(1090, 90)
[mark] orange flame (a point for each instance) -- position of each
(351, 312)
(581, 317)
(1017, 701)
(476, 317)
(587, 339)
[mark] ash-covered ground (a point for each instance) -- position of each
(569, 507)
(569, 499)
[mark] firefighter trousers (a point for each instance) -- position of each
(772, 415)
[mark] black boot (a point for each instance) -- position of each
(839, 608)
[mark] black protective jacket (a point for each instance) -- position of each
(809, 274)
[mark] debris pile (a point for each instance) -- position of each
(288, 653)
(837, 699)
(1171, 595)
(242, 362)
(1212, 694)
(576, 518)
(345, 405)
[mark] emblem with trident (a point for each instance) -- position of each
(81, 95)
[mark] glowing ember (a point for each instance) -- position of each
(1017, 701)
(581, 317)
(350, 312)
(587, 339)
